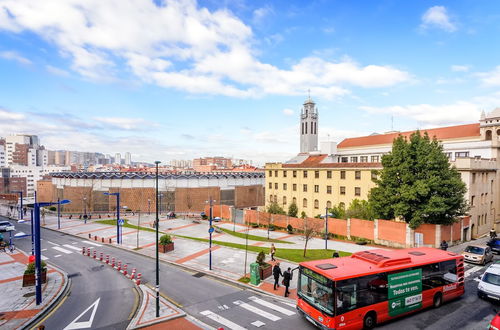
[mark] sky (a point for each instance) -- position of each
(180, 79)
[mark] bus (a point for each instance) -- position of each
(374, 286)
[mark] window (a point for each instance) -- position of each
(271, 198)
(488, 135)
(294, 200)
(328, 174)
(375, 159)
(448, 154)
(270, 185)
(342, 190)
(276, 185)
(354, 159)
(357, 175)
(294, 174)
(357, 191)
(276, 173)
(316, 188)
(270, 173)
(342, 174)
(316, 290)
(462, 154)
(344, 160)
(284, 186)
(363, 159)
(316, 174)
(284, 200)
(294, 187)
(328, 189)
(472, 200)
(473, 177)
(360, 292)
(275, 199)
(304, 202)
(329, 204)
(305, 174)
(304, 188)
(284, 174)
(316, 204)
(492, 185)
(374, 175)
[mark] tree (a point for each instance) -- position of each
(303, 215)
(338, 211)
(360, 209)
(293, 210)
(418, 184)
(274, 208)
(310, 228)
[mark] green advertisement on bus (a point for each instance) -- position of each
(405, 291)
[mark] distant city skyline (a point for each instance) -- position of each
(229, 78)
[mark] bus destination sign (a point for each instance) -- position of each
(405, 291)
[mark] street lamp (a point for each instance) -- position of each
(157, 251)
(326, 226)
(210, 231)
(38, 252)
(85, 209)
(117, 194)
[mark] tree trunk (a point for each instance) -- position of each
(305, 248)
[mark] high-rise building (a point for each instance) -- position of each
(22, 149)
(118, 158)
(128, 158)
(3, 159)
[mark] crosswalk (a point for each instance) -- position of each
(266, 313)
(65, 249)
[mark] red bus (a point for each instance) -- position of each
(374, 286)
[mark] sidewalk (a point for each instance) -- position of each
(17, 306)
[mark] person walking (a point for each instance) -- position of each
(335, 254)
(287, 277)
(277, 273)
(273, 251)
(493, 233)
(443, 246)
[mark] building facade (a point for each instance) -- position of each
(309, 127)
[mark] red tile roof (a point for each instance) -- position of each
(441, 133)
(315, 162)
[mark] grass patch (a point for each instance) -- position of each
(295, 255)
(112, 222)
(244, 280)
(253, 237)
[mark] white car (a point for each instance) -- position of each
(489, 283)
(6, 226)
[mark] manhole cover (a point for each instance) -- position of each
(29, 294)
(199, 275)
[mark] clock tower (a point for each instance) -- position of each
(309, 127)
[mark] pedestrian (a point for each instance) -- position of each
(71, 216)
(493, 233)
(443, 246)
(287, 277)
(335, 254)
(273, 251)
(277, 273)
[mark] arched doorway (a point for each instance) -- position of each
(488, 135)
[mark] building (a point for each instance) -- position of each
(118, 158)
(340, 173)
(9, 184)
(32, 174)
(3, 159)
(210, 163)
(22, 149)
(179, 192)
(309, 127)
(128, 158)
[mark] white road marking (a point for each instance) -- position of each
(44, 258)
(289, 304)
(60, 249)
(258, 324)
(272, 306)
(44, 250)
(257, 311)
(221, 320)
(74, 243)
(57, 256)
(72, 247)
(52, 243)
(86, 324)
(472, 270)
(91, 243)
(477, 280)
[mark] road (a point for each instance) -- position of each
(217, 303)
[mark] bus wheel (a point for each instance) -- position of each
(370, 320)
(438, 300)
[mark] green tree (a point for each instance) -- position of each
(293, 210)
(359, 209)
(303, 215)
(338, 211)
(418, 184)
(274, 208)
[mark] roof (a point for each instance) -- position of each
(441, 133)
(316, 161)
(378, 260)
(147, 175)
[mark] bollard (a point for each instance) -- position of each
(107, 259)
(83, 250)
(88, 252)
(113, 262)
(132, 276)
(95, 238)
(90, 235)
(110, 241)
(100, 256)
(94, 254)
(138, 281)
(119, 266)
(102, 239)
(125, 269)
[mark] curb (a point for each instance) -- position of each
(31, 324)
(191, 269)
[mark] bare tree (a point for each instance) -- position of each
(189, 201)
(310, 228)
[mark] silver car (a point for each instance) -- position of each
(6, 226)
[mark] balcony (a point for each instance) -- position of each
(475, 164)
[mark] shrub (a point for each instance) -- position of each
(128, 210)
(53, 208)
(303, 215)
(30, 269)
(274, 208)
(289, 228)
(293, 210)
(261, 258)
(165, 239)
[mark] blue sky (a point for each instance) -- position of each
(182, 79)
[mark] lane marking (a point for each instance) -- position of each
(74, 243)
(44, 250)
(289, 304)
(272, 306)
(472, 270)
(258, 324)
(75, 324)
(72, 247)
(60, 249)
(52, 243)
(44, 258)
(221, 320)
(91, 243)
(257, 311)
(57, 256)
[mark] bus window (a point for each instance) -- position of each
(316, 290)
(361, 291)
(449, 271)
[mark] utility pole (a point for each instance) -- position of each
(157, 251)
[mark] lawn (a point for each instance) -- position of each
(126, 225)
(253, 237)
(295, 255)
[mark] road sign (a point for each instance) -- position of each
(121, 222)
(211, 230)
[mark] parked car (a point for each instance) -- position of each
(494, 244)
(495, 323)
(6, 226)
(478, 254)
(489, 283)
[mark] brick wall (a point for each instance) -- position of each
(45, 191)
(429, 232)
(248, 196)
(392, 231)
(221, 211)
(362, 228)
(194, 199)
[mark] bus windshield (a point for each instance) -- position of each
(316, 289)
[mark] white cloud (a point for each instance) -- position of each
(125, 123)
(460, 68)
(288, 112)
(13, 56)
(186, 47)
(57, 71)
(9, 115)
(491, 78)
(448, 114)
(437, 17)
(261, 13)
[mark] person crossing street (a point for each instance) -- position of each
(277, 273)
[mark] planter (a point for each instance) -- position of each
(265, 271)
(30, 280)
(166, 248)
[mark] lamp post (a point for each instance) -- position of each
(326, 226)
(117, 194)
(85, 209)
(210, 231)
(157, 251)
(38, 252)
(58, 214)
(149, 206)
